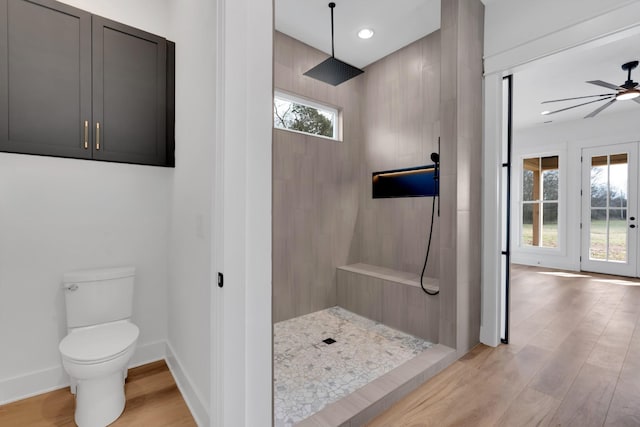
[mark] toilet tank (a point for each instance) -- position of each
(98, 296)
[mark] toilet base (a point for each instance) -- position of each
(99, 401)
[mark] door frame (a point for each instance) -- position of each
(241, 333)
(628, 269)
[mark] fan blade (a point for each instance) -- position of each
(577, 97)
(593, 114)
(575, 106)
(605, 84)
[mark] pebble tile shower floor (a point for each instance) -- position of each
(309, 373)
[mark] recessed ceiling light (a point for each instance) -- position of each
(544, 113)
(365, 33)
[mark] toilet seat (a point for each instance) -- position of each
(97, 344)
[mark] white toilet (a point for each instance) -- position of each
(100, 342)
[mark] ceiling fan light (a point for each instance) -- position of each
(628, 94)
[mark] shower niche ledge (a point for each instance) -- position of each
(391, 297)
(396, 276)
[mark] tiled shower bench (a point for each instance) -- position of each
(391, 297)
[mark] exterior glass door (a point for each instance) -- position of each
(609, 209)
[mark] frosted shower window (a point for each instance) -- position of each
(539, 221)
(297, 114)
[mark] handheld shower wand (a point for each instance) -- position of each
(435, 158)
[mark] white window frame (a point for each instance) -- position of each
(297, 99)
(560, 201)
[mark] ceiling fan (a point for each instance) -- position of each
(624, 92)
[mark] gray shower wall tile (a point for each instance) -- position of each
(394, 305)
(314, 202)
(400, 122)
(409, 309)
(461, 124)
(360, 294)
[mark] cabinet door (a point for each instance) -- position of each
(129, 94)
(45, 78)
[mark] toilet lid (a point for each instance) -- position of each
(99, 342)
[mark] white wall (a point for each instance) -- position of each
(147, 15)
(58, 215)
(566, 139)
(192, 24)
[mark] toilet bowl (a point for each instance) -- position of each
(100, 342)
(96, 359)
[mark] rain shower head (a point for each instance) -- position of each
(332, 70)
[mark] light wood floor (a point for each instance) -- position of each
(153, 399)
(574, 360)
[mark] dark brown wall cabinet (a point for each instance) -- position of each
(77, 85)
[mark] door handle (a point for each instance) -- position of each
(633, 218)
(632, 226)
(98, 136)
(86, 134)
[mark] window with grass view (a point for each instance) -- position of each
(302, 115)
(540, 202)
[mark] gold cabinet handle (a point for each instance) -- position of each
(98, 136)
(86, 134)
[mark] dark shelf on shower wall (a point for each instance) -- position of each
(419, 181)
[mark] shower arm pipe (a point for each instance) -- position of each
(332, 5)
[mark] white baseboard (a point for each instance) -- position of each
(148, 353)
(46, 380)
(32, 384)
(560, 263)
(185, 385)
(489, 337)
